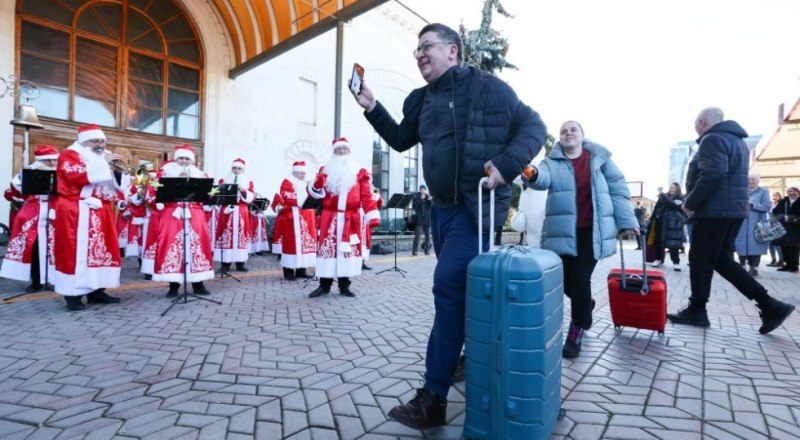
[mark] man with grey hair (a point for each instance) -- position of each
(717, 200)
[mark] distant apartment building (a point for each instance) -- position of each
(681, 153)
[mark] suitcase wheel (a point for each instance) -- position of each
(661, 333)
(617, 327)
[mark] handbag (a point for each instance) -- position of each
(519, 222)
(768, 229)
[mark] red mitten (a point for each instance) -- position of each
(319, 182)
(374, 223)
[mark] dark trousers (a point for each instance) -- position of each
(751, 260)
(712, 250)
(577, 279)
(675, 255)
(425, 230)
(791, 255)
(326, 283)
(455, 241)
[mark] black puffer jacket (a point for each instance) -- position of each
(788, 214)
(491, 124)
(671, 220)
(716, 181)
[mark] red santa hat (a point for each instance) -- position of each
(45, 152)
(89, 132)
(340, 143)
(299, 166)
(185, 151)
(238, 162)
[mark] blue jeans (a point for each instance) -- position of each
(455, 241)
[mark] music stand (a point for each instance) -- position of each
(40, 182)
(227, 195)
(316, 205)
(397, 201)
(184, 190)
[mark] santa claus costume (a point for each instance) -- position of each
(259, 241)
(152, 224)
(366, 231)
(344, 187)
(232, 238)
(177, 219)
(27, 255)
(86, 248)
(298, 233)
(139, 213)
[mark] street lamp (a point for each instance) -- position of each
(25, 116)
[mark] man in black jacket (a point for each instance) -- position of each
(470, 124)
(421, 206)
(717, 200)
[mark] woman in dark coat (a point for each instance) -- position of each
(670, 223)
(788, 213)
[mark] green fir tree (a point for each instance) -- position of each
(486, 48)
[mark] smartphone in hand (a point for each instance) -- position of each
(356, 78)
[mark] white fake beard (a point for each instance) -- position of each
(342, 173)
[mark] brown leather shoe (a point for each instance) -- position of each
(425, 410)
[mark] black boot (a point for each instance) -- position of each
(100, 296)
(173, 290)
(301, 273)
(773, 314)
(425, 410)
(365, 267)
(319, 291)
(240, 267)
(226, 267)
(344, 287)
(74, 303)
(572, 346)
(692, 315)
(148, 276)
(289, 274)
(199, 289)
(33, 288)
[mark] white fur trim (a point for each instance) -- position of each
(87, 135)
(47, 157)
(182, 152)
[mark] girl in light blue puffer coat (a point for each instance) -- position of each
(588, 204)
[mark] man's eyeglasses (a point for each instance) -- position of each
(426, 46)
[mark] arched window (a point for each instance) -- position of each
(133, 65)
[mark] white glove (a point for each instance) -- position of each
(229, 209)
(93, 202)
(160, 206)
(51, 214)
(121, 205)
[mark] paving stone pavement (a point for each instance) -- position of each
(271, 364)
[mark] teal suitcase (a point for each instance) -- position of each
(514, 314)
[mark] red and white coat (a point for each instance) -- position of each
(232, 239)
(151, 229)
(259, 242)
(137, 226)
(295, 234)
(366, 231)
(170, 250)
(29, 224)
(341, 248)
(86, 246)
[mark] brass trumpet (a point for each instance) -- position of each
(120, 166)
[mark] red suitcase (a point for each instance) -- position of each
(638, 297)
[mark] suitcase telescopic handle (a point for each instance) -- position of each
(480, 215)
(645, 286)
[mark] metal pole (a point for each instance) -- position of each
(25, 144)
(337, 111)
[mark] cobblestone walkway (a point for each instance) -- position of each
(271, 364)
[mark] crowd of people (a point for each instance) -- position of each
(473, 128)
(71, 238)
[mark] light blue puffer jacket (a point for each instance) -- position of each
(611, 202)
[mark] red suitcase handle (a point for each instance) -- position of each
(645, 286)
